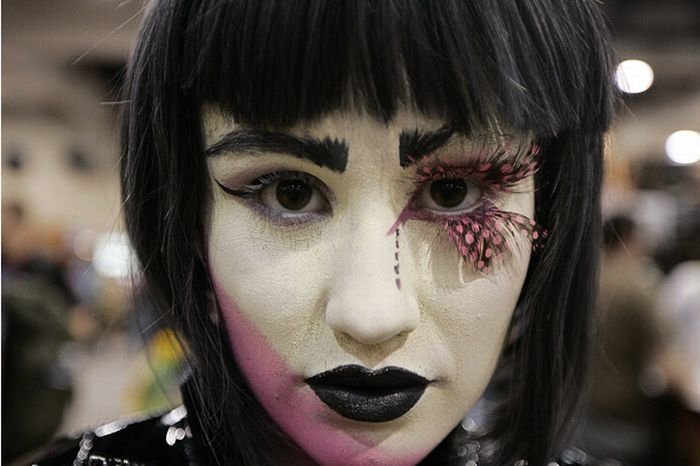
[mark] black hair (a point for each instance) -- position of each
(541, 67)
(618, 230)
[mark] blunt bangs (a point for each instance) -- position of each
(532, 66)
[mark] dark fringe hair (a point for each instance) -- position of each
(536, 66)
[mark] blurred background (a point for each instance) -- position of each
(79, 347)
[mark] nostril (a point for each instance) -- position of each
(371, 354)
(371, 335)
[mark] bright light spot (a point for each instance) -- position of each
(114, 257)
(683, 147)
(634, 76)
(84, 244)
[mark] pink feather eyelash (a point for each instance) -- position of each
(483, 236)
(486, 235)
(493, 172)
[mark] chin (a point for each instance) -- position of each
(331, 439)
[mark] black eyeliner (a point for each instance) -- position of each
(234, 192)
(250, 196)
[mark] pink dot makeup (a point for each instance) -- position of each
(483, 234)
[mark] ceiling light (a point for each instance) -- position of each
(683, 147)
(634, 76)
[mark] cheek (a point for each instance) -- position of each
(474, 327)
(276, 283)
(470, 311)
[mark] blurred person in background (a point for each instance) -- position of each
(679, 297)
(621, 416)
(36, 302)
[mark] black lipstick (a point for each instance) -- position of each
(362, 394)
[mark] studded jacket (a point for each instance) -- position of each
(172, 440)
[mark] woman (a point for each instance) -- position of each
(357, 215)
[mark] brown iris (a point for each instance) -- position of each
(294, 194)
(448, 192)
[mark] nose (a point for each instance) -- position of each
(365, 302)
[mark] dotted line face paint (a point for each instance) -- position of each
(396, 260)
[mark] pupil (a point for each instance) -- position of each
(448, 193)
(293, 194)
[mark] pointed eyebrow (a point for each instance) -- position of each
(330, 153)
(416, 144)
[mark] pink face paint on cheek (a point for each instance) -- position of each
(293, 405)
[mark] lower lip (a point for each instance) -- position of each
(370, 405)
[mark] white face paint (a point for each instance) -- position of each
(305, 291)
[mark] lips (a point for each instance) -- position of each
(361, 394)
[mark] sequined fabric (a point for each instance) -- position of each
(161, 440)
(168, 440)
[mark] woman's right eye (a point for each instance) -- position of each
(293, 196)
(286, 193)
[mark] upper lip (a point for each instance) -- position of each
(355, 377)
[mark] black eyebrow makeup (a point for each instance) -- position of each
(329, 153)
(416, 144)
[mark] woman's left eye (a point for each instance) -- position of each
(449, 195)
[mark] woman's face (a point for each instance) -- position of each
(367, 273)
